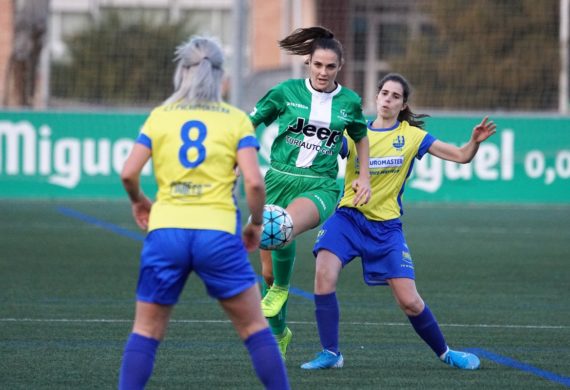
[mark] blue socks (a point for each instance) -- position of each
(427, 328)
(139, 353)
(266, 360)
(327, 313)
(328, 316)
(138, 362)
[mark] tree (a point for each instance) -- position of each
(119, 61)
(30, 26)
(486, 54)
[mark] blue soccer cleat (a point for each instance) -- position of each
(461, 360)
(324, 359)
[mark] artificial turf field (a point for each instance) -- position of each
(496, 277)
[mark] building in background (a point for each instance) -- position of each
(209, 17)
(467, 56)
(6, 28)
(355, 23)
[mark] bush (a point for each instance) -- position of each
(116, 61)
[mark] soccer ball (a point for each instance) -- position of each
(277, 227)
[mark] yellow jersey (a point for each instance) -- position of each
(392, 153)
(194, 148)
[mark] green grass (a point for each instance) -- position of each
(496, 277)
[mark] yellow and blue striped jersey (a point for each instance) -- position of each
(193, 149)
(392, 153)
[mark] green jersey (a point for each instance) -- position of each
(311, 124)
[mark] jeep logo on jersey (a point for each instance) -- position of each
(322, 133)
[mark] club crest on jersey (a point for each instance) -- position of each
(399, 142)
(322, 133)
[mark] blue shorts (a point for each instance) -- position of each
(380, 244)
(170, 255)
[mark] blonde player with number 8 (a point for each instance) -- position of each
(196, 141)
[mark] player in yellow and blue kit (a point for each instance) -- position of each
(312, 115)
(196, 141)
(374, 233)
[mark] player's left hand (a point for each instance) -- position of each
(361, 187)
(483, 130)
(251, 236)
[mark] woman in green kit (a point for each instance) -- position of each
(312, 115)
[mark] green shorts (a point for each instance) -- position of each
(285, 185)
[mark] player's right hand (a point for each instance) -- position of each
(361, 187)
(141, 211)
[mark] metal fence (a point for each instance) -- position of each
(508, 56)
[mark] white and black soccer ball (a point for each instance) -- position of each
(277, 227)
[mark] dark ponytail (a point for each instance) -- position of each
(304, 41)
(406, 114)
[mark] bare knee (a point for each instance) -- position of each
(151, 320)
(412, 306)
(325, 280)
(322, 281)
(407, 296)
(245, 326)
(244, 310)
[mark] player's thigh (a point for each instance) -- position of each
(244, 310)
(305, 215)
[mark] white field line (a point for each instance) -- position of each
(356, 323)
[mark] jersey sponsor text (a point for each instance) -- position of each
(307, 145)
(322, 133)
(386, 162)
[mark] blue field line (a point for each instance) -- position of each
(139, 237)
(295, 291)
(506, 361)
(102, 224)
(301, 293)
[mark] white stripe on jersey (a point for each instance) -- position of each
(320, 116)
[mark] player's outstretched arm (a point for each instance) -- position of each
(465, 153)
